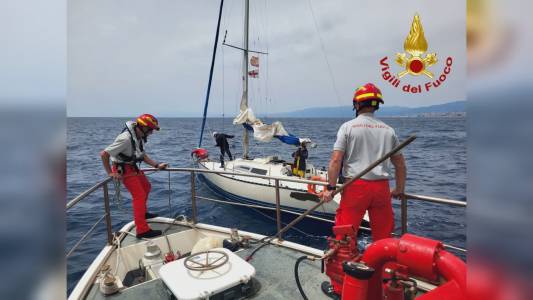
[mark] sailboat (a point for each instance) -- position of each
(295, 196)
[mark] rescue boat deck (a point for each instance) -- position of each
(274, 277)
(274, 264)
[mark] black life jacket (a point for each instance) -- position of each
(132, 158)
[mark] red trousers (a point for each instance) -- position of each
(357, 198)
(139, 187)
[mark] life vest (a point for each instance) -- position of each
(300, 156)
(137, 154)
(311, 188)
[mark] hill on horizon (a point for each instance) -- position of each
(347, 112)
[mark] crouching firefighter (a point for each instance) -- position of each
(300, 157)
(125, 152)
(221, 140)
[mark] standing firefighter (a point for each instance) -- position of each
(125, 152)
(360, 142)
(300, 156)
(221, 140)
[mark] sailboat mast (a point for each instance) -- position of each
(211, 74)
(244, 102)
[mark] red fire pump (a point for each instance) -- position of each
(340, 251)
(385, 269)
(199, 153)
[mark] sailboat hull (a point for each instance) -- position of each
(258, 191)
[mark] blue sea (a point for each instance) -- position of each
(436, 163)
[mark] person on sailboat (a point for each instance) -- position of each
(125, 152)
(300, 156)
(221, 140)
(360, 142)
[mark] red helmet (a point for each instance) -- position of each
(368, 92)
(149, 121)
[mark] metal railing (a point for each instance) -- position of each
(106, 215)
(193, 172)
(407, 197)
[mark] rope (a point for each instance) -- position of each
(256, 92)
(170, 225)
(117, 197)
(223, 88)
(267, 61)
(284, 224)
(263, 26)
(262, 207)
(117, 241)
(255, 207)
(324, 52)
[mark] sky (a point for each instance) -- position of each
(130, 57)
(33, 53)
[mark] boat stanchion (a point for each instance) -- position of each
(278, 212)
(193, 197)
(403, 200)
(107, 215)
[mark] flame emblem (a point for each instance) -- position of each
(416, 45)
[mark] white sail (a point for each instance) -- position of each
(262, 132)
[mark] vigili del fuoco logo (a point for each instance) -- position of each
(415, 62)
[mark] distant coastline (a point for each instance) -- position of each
(456, 109)
(461, 114)
(451, 109)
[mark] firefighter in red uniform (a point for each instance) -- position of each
(360, 142)
(125, 152)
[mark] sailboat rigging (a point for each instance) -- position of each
(293, 196)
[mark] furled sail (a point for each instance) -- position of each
(266, 132)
